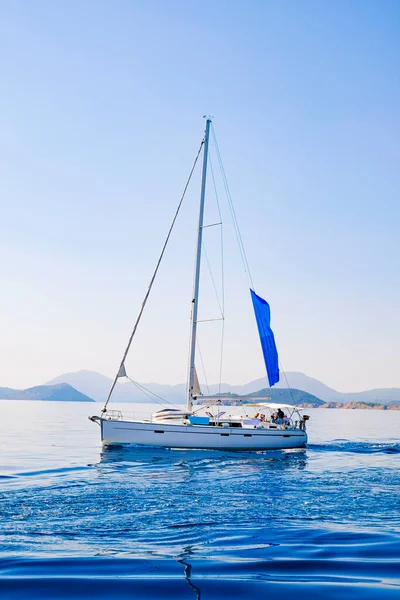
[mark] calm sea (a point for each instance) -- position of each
(77, 521)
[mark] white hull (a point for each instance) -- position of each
(168, 435)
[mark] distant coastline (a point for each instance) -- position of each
(361, 405)
(62, 392)
(355, 406)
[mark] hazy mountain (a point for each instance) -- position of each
(97, 386)
(293, 379)
(308, 384)
(62, 392)
(292, 396)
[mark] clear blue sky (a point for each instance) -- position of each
(101, 110)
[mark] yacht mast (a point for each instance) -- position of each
(192, 352)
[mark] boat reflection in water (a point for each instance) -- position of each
(130, 456)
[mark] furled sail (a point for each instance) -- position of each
(122, 372)
(196, 385)
(263, 318)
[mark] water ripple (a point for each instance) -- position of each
(77, 521)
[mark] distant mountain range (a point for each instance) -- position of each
(97, 386)
(89, 386)
(319, 389)
(61, 392)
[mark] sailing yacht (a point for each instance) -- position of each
(256, 424)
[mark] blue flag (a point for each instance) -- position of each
(263, 318)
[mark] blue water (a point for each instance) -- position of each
(77, 521)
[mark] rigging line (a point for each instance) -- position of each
(222, 276)
(139, 388)
(209, 320)
(234, 218)
(222, 272)
(147, 392)
(153, 278)
(232, 209)
(212, 279)
(202, 365)
(223, 308)
(211, 225)
(222, 234)
(287, 383)
(221, 357)
(215, 187)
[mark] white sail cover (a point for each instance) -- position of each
(196, 385)
(121, 372)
